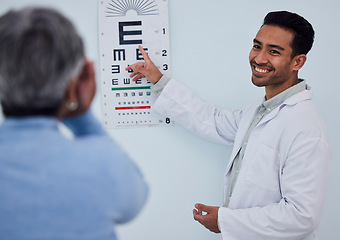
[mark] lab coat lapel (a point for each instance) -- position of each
(245, 122)
(270, 115)
(295, 99)
(242, 130)
(242, 133)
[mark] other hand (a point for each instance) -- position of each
(208, 220)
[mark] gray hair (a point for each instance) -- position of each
(40, 52)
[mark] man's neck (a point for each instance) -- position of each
(273, 90)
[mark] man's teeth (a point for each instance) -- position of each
(261, 70)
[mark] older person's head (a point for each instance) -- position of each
(41, 53)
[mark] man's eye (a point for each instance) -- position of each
(256, 47)
(274, 52)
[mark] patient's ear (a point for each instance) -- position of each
(86, 85)
(80, 92)
(70, 103)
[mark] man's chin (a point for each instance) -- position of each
(257, 82)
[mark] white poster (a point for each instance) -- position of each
(123, 26)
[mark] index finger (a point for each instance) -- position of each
(202, 207)
(144, 54)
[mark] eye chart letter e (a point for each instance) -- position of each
(123, 26)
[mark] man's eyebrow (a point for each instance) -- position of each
(269, 45)
(257, 41)
(276, 46)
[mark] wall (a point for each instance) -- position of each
(210, 42)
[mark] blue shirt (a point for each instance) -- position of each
(52, 187)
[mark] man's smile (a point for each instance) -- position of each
(261, 70)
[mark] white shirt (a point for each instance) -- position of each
(281, 186)
(265, 108)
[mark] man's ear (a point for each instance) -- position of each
(299, 61)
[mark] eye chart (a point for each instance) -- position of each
(123, 26)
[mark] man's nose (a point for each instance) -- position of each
(261, 57)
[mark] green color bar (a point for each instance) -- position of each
(129, 88)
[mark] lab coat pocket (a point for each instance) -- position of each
(264, 167)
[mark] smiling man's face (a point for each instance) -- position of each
(271, 59)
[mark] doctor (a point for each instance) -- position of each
(275, 183)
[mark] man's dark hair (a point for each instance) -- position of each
(300, 27)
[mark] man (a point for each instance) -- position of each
(53, 187)
(275, 182)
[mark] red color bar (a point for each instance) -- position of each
(129, 108)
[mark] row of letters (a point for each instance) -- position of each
(126, 81)
(133, 94)
(115, 69)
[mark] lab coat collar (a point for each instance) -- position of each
(295, 99)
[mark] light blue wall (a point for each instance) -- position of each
(210, 41)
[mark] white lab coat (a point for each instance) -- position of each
(280, 191)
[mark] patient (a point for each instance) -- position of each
(54, 187)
